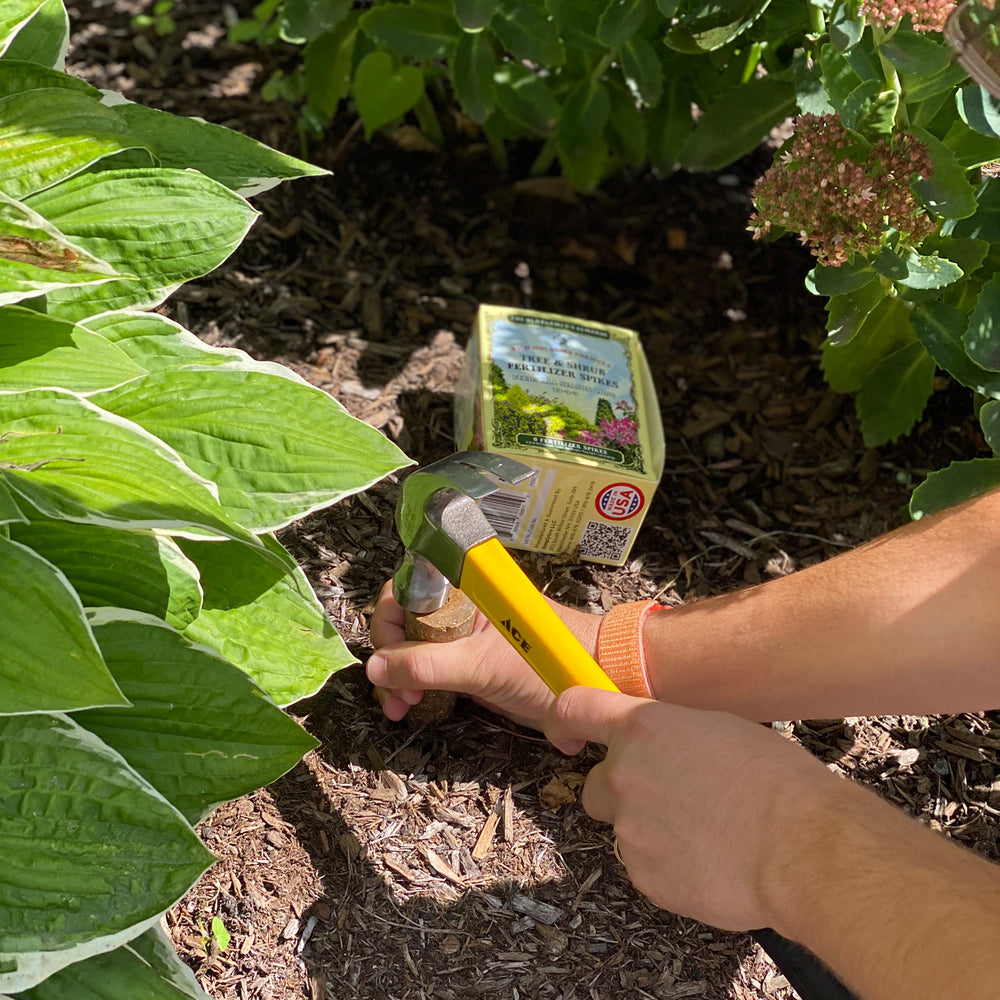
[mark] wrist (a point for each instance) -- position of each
(621, 647)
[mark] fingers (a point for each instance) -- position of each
(389, 619)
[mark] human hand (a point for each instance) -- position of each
(483, 666)
(709, 810)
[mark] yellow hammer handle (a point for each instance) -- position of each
(498, 587)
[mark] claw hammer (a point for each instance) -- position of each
(450, 543)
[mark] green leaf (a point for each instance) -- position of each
(940, 327)
(276, 449)
(526, 99)
(237, 161)
(642, 71)
(916, 53)
(577, 23)
(415, 30)
(838, 75)
(959, 481)
(36, 349)
(669, 125)
(10, 513)
(35, 258)
(472, 75)
(121, 974)
(734, 124)
(19, 75)
(947, 192)
(989, 419)
(141, 570)
(979, 109)
(14, 15)
(984, 224)
(621, 20)
(890, 264)
(841, 280)
(265, 620)
(894, 395)
(199, 730)
(527, 32)
(810, 94)
(51, 662)
(883, 331)
(474, 15)
(304, 20)
(49, 135)
(45, 38)
(982, 336)
(871, 111)
(845, 30)
(929, 271)
(382, 93)
(849, 310)
(76, 462)
(327, 63)
(971, 148)
(968, 254)
(626, 128)
(164, 226)
(157, 343)
(711, 26)
(584, 115)
(922, 88)
(93, 853)
(155, 948)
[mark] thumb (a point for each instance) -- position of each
(426, 666)
(583, 715)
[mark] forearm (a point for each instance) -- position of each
(892, 907)
(909, 623)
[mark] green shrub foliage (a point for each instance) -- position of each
(152, 623)
(883, 179)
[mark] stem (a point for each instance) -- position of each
(879, 35)
(428, 121)
(545, 157)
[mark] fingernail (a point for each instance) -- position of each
(375, 669)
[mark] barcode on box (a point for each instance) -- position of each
(605, 541)
(505, 511)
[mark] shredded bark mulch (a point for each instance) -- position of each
(456, 861)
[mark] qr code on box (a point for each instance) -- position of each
(604, 541)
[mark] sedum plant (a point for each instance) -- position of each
(153, 624)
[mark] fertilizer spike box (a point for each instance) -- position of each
(574, 400)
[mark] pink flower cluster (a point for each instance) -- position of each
(622, 431)
(838, 205)
(926, 15)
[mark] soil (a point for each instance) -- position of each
(456, 861)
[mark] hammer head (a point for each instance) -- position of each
(439, 520)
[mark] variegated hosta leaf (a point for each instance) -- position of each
(76, 462)
(93, 854)
(276, 449)
(36, 258)
(141, 570)
(236, 160)
(199, 730)
(130, 972)
(10, 513)
(18, 75)
(163, 226)
(45, 38)
(156, 343)
(267, 622)
(49, 661)
(49, 135)
(14, 15)
(39, 350)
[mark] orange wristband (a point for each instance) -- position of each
(619, 647)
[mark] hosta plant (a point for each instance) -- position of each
(152, 623)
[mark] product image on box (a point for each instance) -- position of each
(574, 400)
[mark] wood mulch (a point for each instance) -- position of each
(455, 862)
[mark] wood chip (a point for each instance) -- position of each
(544, 913)
(442, 867)
(484, 842)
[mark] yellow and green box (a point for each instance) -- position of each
(574, 400)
